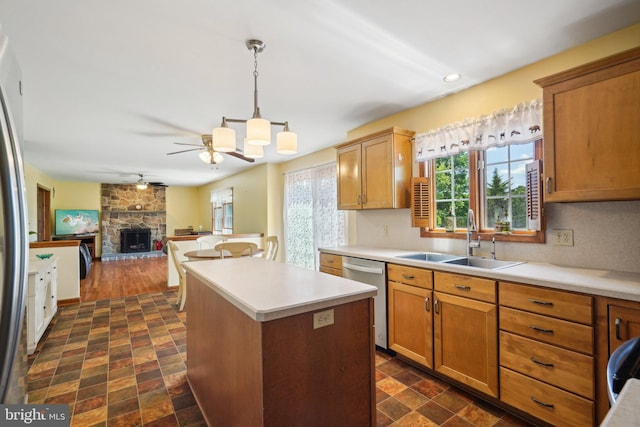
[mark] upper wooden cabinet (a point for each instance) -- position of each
(374, 172)
(592, 130)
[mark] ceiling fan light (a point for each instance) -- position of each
(208, 156)
(253, 151)
(141, 186)
(223, 139)
(258, 131)
(287, 142)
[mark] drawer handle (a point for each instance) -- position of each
(427, 304)
(463, 288)
(546, 405)
(538, 329)
(435, 306)
(547, 303)
(408, 276)
(548, 185)
(330, 261)
(618, 323)
(538, 362)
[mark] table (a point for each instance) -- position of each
(201, 254)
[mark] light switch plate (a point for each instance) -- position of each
(322, 319)
(562, 237)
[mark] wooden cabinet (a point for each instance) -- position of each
(466, 330)
(374, 172)
(331, 264)
(547, 353)
(42, 299)
(592, 130)
(624, 324)
(410, 322)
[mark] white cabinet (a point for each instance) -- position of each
(42, 299)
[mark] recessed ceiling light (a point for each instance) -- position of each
(452, 77)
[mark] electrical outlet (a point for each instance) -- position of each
(322, 319)
(562, 237)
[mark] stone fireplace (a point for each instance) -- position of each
(135, 212)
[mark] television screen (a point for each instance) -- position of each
(75, 221)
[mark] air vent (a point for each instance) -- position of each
(420, 202)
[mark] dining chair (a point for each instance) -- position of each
(182, 287)
(236, 249)
(271, 250)
(208, 242)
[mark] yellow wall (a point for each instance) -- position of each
(34, 178)
(501, 92)
(249, 200)
(182, 209)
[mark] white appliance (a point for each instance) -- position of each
(373, 273)
(13, 233)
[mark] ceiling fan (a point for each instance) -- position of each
(142, 183)
(208, 154)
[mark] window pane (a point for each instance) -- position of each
(452, 189)
(496, 155)
(505, 184)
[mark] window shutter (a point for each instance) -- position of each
(534, 196)
(420, 202)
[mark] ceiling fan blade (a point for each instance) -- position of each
(240, 156)
(184, 151)
(191, 145)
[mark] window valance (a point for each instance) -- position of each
(518, 125)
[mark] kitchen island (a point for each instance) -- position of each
(269, 344)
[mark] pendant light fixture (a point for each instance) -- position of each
(258, 129)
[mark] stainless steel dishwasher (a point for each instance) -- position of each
(372, 273)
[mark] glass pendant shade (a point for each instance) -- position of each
(287, 142)
(207, 156)
(253, 151)
(223, 139)
(258, 131)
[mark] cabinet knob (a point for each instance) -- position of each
(427, 304)
(548, 181)
(618, 323)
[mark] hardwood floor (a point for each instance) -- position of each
(124, 278)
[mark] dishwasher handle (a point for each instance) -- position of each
(373, 270)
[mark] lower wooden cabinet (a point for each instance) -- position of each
(544, 401)
(466, 341)
(410, 322)
(624, 324)
(331, 264)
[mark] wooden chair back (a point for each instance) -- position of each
(271, 250)
(236, 249)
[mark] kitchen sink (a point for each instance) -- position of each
(430, 256)
(490, 264)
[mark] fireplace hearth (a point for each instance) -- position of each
(135, 240)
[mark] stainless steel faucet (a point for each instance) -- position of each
(471, 227)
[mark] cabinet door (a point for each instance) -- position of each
(39, 305)
(410, 322)
(624, 324)
(349, 172)
(592, 135)
(377, 173)
(466, 341)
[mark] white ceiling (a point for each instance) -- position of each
(110, 86)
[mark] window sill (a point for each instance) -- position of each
(516, 236)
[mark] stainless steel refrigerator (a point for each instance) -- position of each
(13, 232)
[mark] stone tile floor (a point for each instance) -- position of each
(121, 362)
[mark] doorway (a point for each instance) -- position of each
(44, 214)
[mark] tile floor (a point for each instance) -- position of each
(121, 362)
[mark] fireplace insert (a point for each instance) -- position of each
(135, 240)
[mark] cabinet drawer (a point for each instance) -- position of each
(330, 270)
(331, 261)
(410, 275)
(465, 286)
(547, 329)
(544, 401)
(566, 369)
(560, 304)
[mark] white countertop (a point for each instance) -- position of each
(607, 283)
(266, 290)
(625, 411)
